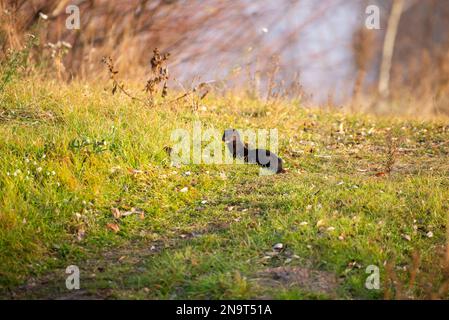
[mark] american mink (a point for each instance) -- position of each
(262, 157)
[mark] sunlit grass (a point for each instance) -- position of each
(71, 153)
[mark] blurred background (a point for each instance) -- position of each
(318, 51)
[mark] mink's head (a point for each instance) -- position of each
(230, 135)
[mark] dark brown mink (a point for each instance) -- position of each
(261, 157)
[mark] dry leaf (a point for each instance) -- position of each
(80, 234)
(127, 213)
(407, 237)
(114, 227)
(320, 223)
(116, 213)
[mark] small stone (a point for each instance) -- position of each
(278, 246)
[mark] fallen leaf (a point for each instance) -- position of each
(320, 223)
(407, 237)
(354, 264)
(135, 171)
(116, 213)
(80, 234)
(114, 227)
(128, 213)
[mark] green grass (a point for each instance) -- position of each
(67, 155)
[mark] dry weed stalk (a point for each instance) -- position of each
(197, 93)
(159, 75)
(424, 281)
(392, 151)
(419, 284)
(115, 83)
(272, 79)
(401, 291)
(57, 52)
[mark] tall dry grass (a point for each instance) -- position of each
(196, 33)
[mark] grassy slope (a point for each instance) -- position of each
(51, 189)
